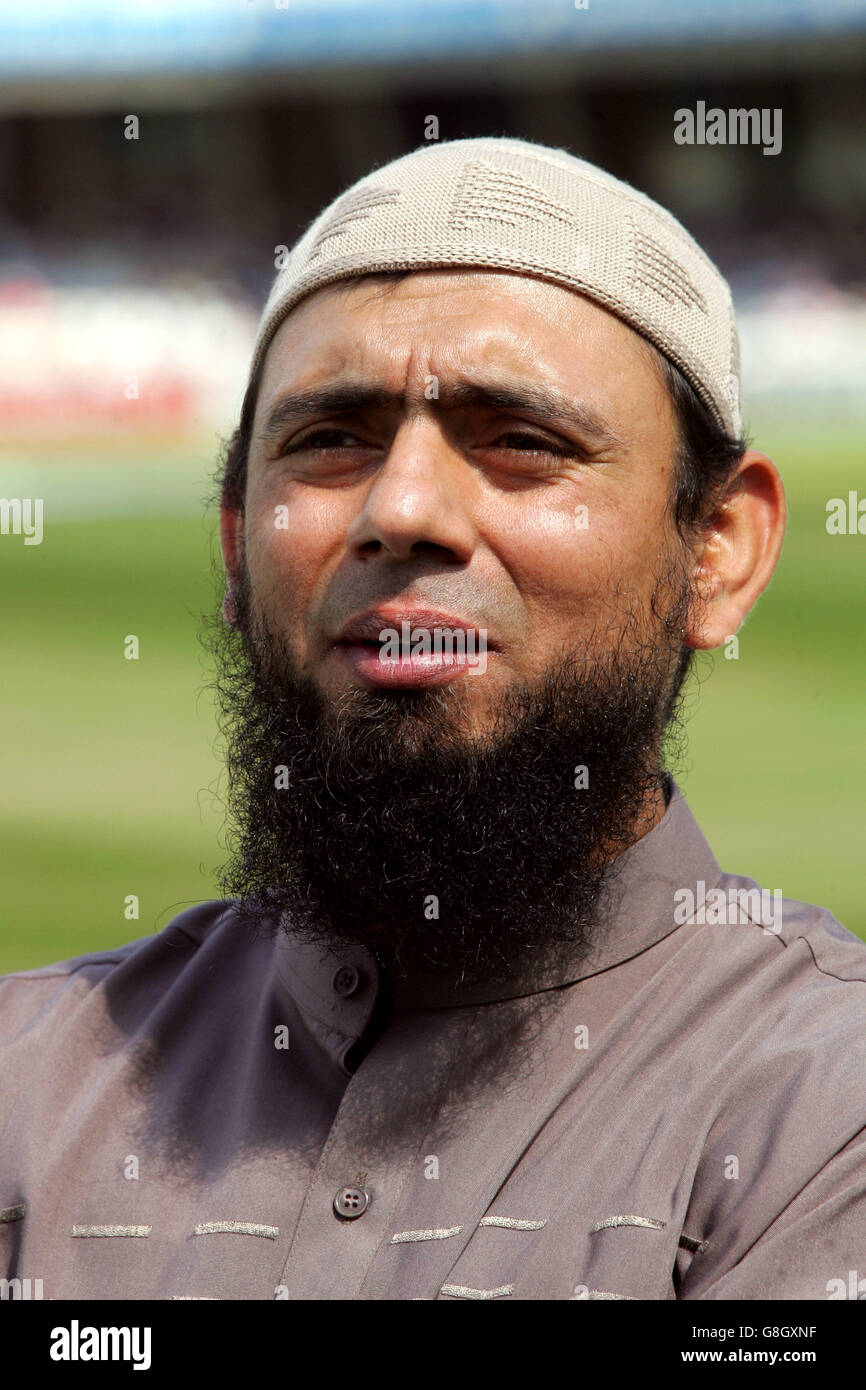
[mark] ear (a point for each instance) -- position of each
(232, 543)
(740, 553)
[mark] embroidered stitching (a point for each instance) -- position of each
(463, 1291)
(111, 1230)
(512, 1223)
(648, 1222)
(440, 1233)
(241, 1228)
(601, 1295)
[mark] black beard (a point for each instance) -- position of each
(438, 851)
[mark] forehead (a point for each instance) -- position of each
(439, 321)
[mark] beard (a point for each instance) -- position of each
(373, 818)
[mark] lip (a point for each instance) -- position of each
(366, 626)
(359, 646)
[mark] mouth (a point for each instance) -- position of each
(412, 648)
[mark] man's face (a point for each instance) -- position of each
(537, 524)
(505, 462)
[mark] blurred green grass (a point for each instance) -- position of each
(110, 769)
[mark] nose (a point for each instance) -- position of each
(418, 502)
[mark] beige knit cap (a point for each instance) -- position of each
(514, 205)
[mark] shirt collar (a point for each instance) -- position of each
(639, 912)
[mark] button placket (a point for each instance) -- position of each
(330, 1257)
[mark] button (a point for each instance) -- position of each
(346, 980)
(351, 1202)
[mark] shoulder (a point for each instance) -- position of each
(810, 995)
(790, 983)
(777, 993)
(836, 952)
(33, 999)
(799, 948)
(778, 1187)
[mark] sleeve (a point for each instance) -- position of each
(814, 1249)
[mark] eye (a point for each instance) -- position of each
(319, 439)
(533, 444)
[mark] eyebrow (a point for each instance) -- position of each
(542, 402)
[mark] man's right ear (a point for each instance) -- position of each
(231, 541)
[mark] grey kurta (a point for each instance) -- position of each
(680, 1116)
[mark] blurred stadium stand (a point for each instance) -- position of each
(151, 257)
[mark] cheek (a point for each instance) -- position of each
(291, 537)
(567, 559)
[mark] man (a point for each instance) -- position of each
(479, 1015)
